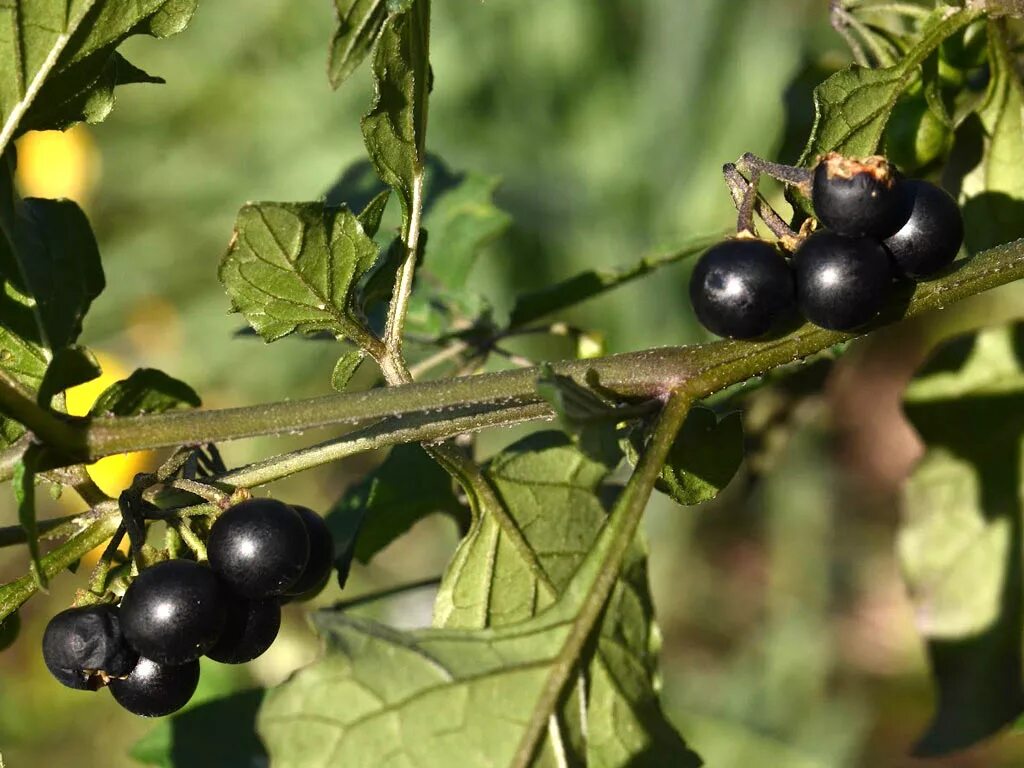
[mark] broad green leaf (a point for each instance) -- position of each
(705, 456)
(58, 61)
(292, 267)
(537, 305)
(395, 128)
(852, 106)
(993, 192)
(147, 390)
(960, 547)
(346, 368)
(551, 496)
(70, 367)
(359, 23)
(406, 488)
(24, 482)
(461, 221)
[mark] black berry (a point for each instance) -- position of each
(155, 690)
(841, 282)
(741, 288)
(80, 643)
(173, 612)
(321, 557)
(858, 198)
(250, 630)
(930, 239)
(259, 548)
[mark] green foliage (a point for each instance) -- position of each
(705, 456)
(70, 366)
(359, 24)
(147, 390)
(293, 266)
(24, 482)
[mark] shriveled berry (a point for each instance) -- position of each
(155, 690)
(321, 557)
(930, 239)
(173, 612)
(741, 288)
(251, 628)
(258, 548)
(858, 198)
(80, 643)
(841, 282)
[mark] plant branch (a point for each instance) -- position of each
(43, 423)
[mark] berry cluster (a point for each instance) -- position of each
(877, 228)
(261, 552)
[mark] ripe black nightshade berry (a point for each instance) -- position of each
(80, 643)
(930, 239)
(321, 557)
(250, 630)
(858, 198)
(741, 288)
(258, 548)
(841, 282)
(155, 690)
(173, 612)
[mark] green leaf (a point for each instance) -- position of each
(359, 24)
(58, 62)
(374, 212)
(24, 482)
(70, 367)
(403, 490)
(461, 221)
(852, 106)
(552, 299)
(292, 267)
(704, 457)
(147, 390)
(960, 546)
(55, 262)
(519, 557)
(395, 128)
(993, 191)
(346, 368)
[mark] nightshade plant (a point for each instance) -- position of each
(543, 649)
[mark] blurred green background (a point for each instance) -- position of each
(788, 639)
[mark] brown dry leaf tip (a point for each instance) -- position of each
(842, 167)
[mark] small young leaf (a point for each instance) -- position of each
(359, 24)
(24, 482)
(406, 488)
(147, 390)
(395, 128)
(583, 415)
(374, 212)
(705, 456)
(292, 267)
(346, 368)
(534, 306)
(70, 367)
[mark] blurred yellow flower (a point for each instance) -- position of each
(58, 164)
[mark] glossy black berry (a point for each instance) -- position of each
(930, 239)
(174, 611)
(321, 557)
(80, 643)
(858, 198)
(155, 690)
(258, 548)
(841, 282)
(250, 630)
(741, 288)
